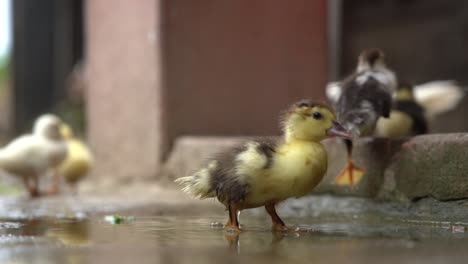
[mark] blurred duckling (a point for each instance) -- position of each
(30, 156)
(406, 117)
(437, 97)
(78, 162)
(365, 96)
(415, 107)
(265, 172)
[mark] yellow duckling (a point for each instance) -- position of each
(30, 156)
(414, 108)
(79, 160)
(406, 117)
(265, 172)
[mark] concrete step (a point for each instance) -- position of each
(400, 170)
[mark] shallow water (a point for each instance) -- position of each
(186, 239)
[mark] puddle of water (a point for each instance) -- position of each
(203, 240)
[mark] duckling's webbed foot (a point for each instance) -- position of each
(233, 221)
(278, 224)
(349, 175)
(53, 188)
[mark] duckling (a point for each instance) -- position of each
(415, 107)
(30, 156)
(365, 96)
(265, 172)
(406, 117)
(78, 162)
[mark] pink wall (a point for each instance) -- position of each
(232, 65)
(159, 69)
(123, 71)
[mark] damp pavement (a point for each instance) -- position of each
(177, 229)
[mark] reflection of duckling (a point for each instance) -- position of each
(406, 118)
(78, 162)
(74, 233)
(365, 96)
(234, 241)
(266, 172)
(30, 156)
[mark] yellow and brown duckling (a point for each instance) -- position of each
(31, 156)
(407, 117)
(364, 97)
(414, 107)
(78, 162)
(265, 172)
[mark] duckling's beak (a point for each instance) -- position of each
(338, 130)
(65, 131)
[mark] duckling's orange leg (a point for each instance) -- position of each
(35, 192)
(27, 186)
(33, 188)
(277, 223)
(350, 174)
(233, 221)
(53, 188)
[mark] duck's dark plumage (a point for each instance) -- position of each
(361, 104)
(222, 183)
(416, 112)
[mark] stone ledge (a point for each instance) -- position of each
(400, 170)
(431, 166)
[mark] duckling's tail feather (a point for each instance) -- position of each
(195, 186)
(438, 97)
(199, 184)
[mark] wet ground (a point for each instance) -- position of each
(75, 231)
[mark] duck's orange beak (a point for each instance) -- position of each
(337, 130)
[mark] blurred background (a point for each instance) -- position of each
(134, 76)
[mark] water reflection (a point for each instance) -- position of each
(234, 240)
(162, 239)
(71, 232)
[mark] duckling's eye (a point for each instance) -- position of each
(317, 115)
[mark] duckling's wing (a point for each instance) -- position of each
(437, 97)
(77, 150)
(231, 179)
(226, 175)
(255, 156)
(19, 147)
(78, 161)
(24, 151)
(333, 91)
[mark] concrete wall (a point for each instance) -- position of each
(229, 67)
(233, 65)
(123, 71)
(424, 40)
